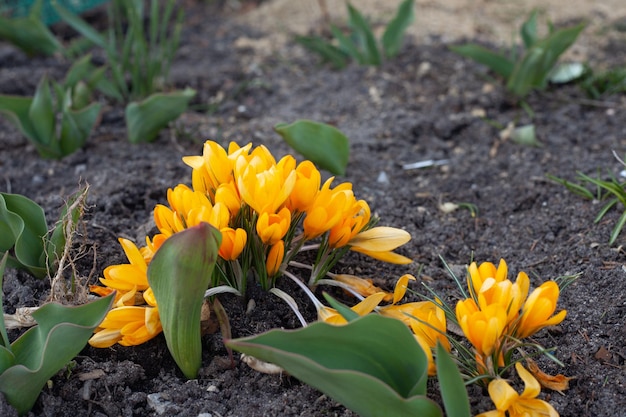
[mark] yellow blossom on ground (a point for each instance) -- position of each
(538, 309)
(363, 286)
(128, 326)
(366, 306)
(509, 402)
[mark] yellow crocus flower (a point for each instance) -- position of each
(538, 309)
(128, 326)
(215, 166)
(275, 258)
(508, 401)
(266, 191)
(272, 227)
(233, 242)
(352, 223)
(227, 194)
(127, 277)
(479, 274)
(483, 328)
(308, 180)
(327, 209)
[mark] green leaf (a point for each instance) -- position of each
(326, 51)
(145, 119)
(453, 391)
(81, 26)
(325, 145)
(62, 332)
(533, 70)
(179, 274)
(26, 229)
(618, 228)
(5, 360)
(372, 365)
(365, 35)
(41, 113)
(528, 31)
(392, 38)
(496, 62)
(29, 34)
(76, 127)
(347, 45)
(16, 109)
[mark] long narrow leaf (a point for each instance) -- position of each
(364, 31)
(327, 51)
(347, 45)
(81, 26)
(41, 113)
(528, 31)
(453, 391)
(618, 228)
(392, 38)
(496, 62)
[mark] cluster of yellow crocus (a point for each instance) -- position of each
(499, 312)
(266, 210)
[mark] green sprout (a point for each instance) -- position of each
(532, 69)
(70, 101)
(612, 191)
(139, 61)
(606, 83)
(360, 44)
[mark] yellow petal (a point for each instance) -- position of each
(390, 257)
(363, 286)
(369, 304)
(401, 287)
(531, 385)
(105, 338)
(502, 395)
(380, 239)
(133, 254)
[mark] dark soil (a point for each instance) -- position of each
(423, 105)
